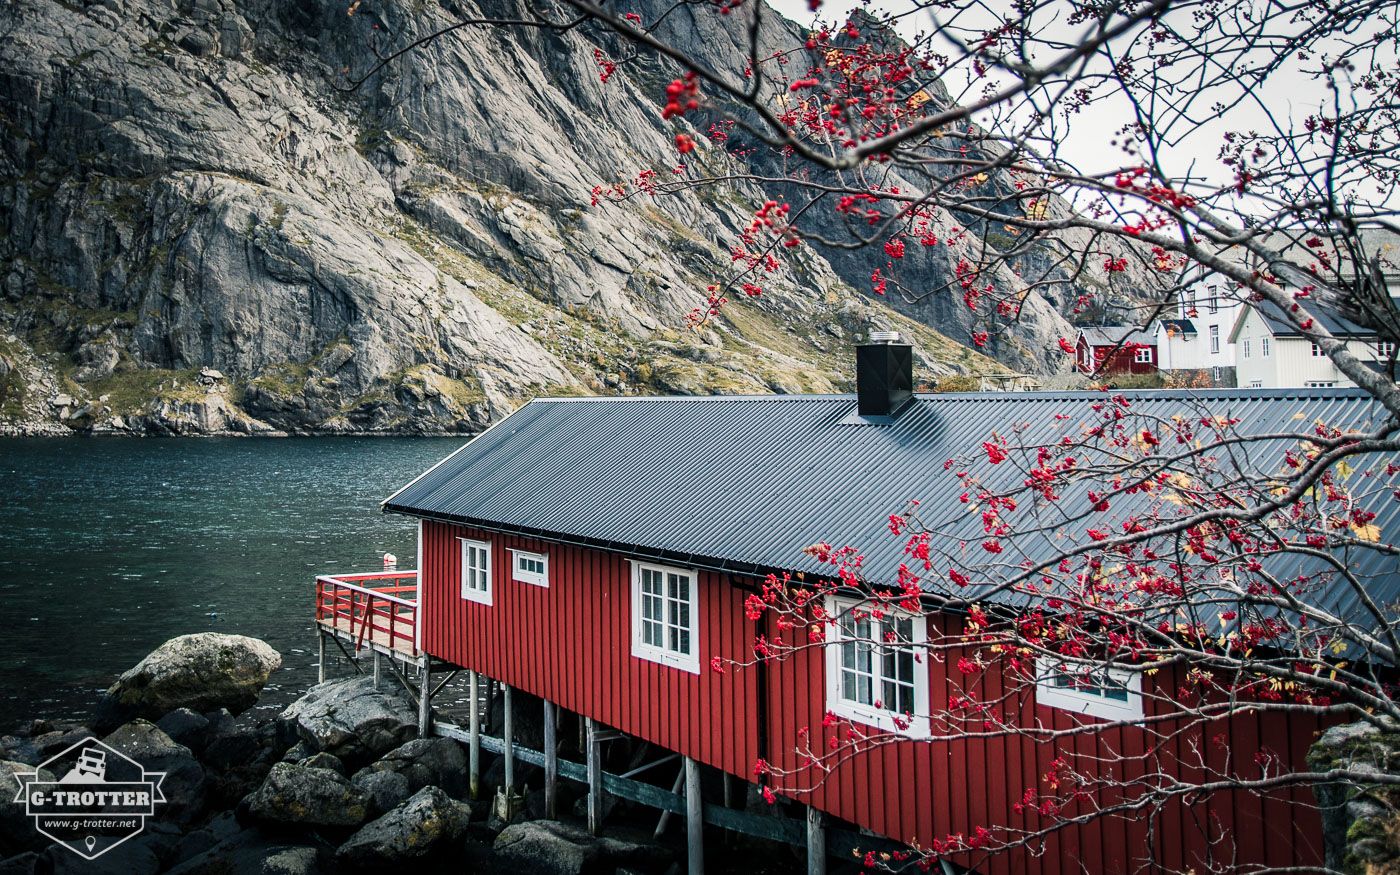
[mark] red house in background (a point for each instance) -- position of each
(597, 552)
(1115, 349)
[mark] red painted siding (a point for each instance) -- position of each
(571, 643)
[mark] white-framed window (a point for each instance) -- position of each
(1143, 354)
(1317, 351)
(1264, 347)
(1244, 347)
(476, 570)
(665, 615)
(1385, 349)
(1256, 384)
(1094, 691)
(528, 567)
(1214, 300)
(1214, 339)
(1320, 384)
(876, 668)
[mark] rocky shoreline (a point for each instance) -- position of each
(337, 782)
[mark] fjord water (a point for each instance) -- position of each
(109, 547)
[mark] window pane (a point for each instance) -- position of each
(685, 642)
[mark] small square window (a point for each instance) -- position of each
(476, 570)
(1317, 351)
(1385, 349)
(530, 567)
(1095, 691)
(1143, 354)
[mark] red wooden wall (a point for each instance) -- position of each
(571, 643)
(1123, 361)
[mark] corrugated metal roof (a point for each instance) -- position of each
(744, 483)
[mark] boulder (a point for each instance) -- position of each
(550, 848)
(185, 782)
(424, 823)
(186, 727)
(352, 720)
(386, 789)
(17, 832)
(437, 762)
(203, 672)
(324, 760)
(320, 797)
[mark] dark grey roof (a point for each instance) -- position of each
(1112, 335)
(744, 483)
(1336, 325)
(1180, 326)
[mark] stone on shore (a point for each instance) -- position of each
(550, 848)
(203, 672)
(424, 823)
(299, 794)
(436, 762)
(17, 832)
(352, 720)
(185, 782)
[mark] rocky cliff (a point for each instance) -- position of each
(203, 233)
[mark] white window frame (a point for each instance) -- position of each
(524, 575)
(1384, 348)
(1264, 347)
(1256, 384)
(1083, 701)
(1319, 384)
(666, 656)
(881, 718)
(1143, 355)
(480, 595)
(1244, 347)
(1215, 340)
(1317, 351)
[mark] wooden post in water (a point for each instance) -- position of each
(320, 654)
(425, 696)
(551, 760)
(694, 820)
(595, 780)
(474, 749)
(509, 739)
(816, 842)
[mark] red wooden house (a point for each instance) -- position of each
(1115, 349)
(597, 552)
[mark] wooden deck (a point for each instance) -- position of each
(374, 611)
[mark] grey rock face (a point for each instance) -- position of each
(301, 795)
(186, 188)
(1357, 816)
(17, 833)
(415, 829)
(351, 719)
(386, 789)
(201, 672)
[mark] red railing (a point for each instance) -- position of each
(381, 606)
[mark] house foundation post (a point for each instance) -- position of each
(816, 842)
(320, 655)
(377, 670)
(425, 695)
(474, 725)
(595, 780)
(508, 737)
(551, 760)
(694, 820)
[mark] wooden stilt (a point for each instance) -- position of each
(595, 780)
(816, 842)
(474, 747)
(551, 760)
(425, 696)
(509, 738)
(376, 669)
(694, 820)
(320, 655)
(665, 817)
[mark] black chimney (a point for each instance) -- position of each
(884, 374)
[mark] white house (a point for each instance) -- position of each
(1198, 338)
(1270, 353)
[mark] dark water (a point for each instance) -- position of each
(110, 547)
